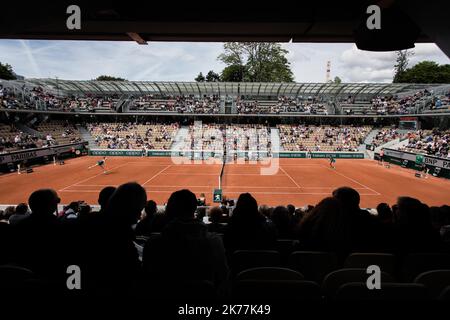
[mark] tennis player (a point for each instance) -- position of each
(101, 163)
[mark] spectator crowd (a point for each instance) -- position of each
(322, 138)
(173, 251)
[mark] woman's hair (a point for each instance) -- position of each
(326, 225)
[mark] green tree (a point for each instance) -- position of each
(426, 72)
(259, 61)
(6, 72)
(402, 62)
(211, 76)
(200, 78)
(108, 78)
(233, 73)
(337, 80)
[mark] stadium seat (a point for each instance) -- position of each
(312, 264)
(388, 292)
(141, 240)
(19, 280)
(245, 259)
(269, 273)
(435, 281)
(385, 261)
(445, 294)
(334, 280)
(199, 290)
(417, 263)
(285, 248)
(10, 274)
(270, 290)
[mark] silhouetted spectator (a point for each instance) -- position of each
(364, 228)
(385, 215)
(282, 221)
(111, 260)
(248, 229)
(414, 232)
(186, 251)
(144, 226)
(326, 227)
(70, 212)
(7, 213)
(265, 211)
(215, 218)
(20, 213)
(39, 237)
(104, 196)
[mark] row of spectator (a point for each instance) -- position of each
(182, 250)
(133, 136)
(435, 143)
(322, 138)
(50, 133)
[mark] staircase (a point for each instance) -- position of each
(178, 141)
(369, 138)
(275, 137)
(86, 136)
(27, 129)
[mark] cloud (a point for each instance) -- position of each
(181, 61)
(81, 60)
(364, 66)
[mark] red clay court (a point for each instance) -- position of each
(298, 181)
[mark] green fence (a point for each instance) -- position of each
(240, 154)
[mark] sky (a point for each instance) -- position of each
(182, 61)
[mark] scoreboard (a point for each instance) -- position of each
(409, 123)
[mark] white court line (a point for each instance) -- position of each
(209, 186)
(233, 192)
(76, 183)
(157, 174)
(362, 185)
(281, 168)
(216, 174)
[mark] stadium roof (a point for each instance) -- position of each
(404, 22)
(225, 88)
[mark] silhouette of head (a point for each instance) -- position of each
(21, 208)
(412, 213)
(181, 205)
(280, 216)
(348, 196)
(150, 208)
(291, 209)
(215, 215)
(384, 212)
(126, 203)
(104, 196)
(246, 210)
(43, 202)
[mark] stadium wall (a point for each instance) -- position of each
(208, 154)
(32, 154)
(438, 167)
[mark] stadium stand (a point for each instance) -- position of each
(323, 138)
(434, 142)
(208, 98)
(133, 136)
(179, 104)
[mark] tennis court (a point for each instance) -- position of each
(297, 181)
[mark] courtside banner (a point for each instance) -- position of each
(438, 167)
(18, 156)
(428, 160)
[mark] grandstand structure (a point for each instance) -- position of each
(226, 99)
